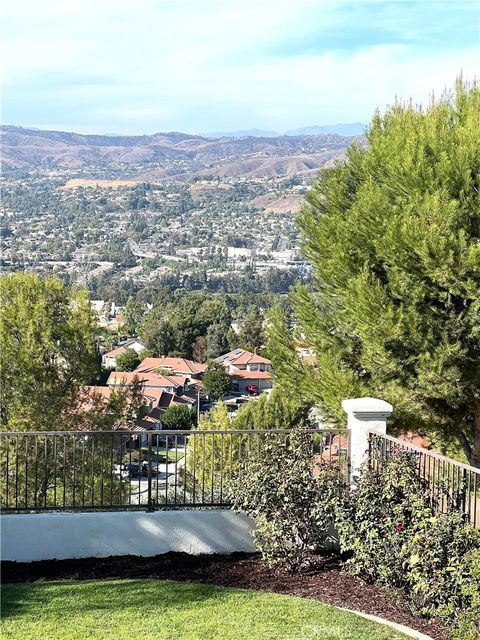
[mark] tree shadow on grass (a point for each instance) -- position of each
(18, 600)
(167, 609)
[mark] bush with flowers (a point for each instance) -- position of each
(442, 573)
(387, 530)
(393, 537)
(293, 508)
(379, 516)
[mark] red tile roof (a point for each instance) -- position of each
(240, 356)
(178, 365)
(87, 394)
(106, 392)
(251, 375)
(153, 397)
(149, 380)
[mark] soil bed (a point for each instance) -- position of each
(325, 581)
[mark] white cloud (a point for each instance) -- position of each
(207, 65)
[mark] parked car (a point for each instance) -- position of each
(127, 470)
(252, 388)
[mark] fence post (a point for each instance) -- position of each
(363, 415)
(150, 506)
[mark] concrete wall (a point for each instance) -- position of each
(39, 536)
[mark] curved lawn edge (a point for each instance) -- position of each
(109, 609)
(408, 631)
(326, 583)
(401, 628)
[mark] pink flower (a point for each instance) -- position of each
(399, 527)
(397, 453)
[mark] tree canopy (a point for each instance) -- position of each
(48, 349)
(394, 238)
(179, 417)
(128, 361)
(180, 327)
(277, 410)
(216, 381)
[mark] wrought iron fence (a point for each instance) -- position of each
(453, 486)
(118, 470)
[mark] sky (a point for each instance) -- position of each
(143, 66)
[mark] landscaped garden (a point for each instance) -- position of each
(123, 609)
(389, 553)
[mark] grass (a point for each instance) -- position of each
(158, 455)
(165, 456)
(162, 610)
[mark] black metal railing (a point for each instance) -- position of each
(118, 470)
(453, 486)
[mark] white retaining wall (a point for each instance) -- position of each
(49, 536)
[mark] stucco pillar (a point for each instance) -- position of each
(363, 415)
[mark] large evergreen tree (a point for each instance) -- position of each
(394, 238)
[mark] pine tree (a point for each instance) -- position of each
(394, 238)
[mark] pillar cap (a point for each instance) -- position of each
(367, 405)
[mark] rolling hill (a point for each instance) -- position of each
(173, 155)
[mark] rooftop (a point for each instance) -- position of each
(240, 357)
(181, 365)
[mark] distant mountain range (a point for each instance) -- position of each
(352, 129)
(171, 155)
(244, 133)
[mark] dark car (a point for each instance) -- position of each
(132, 469)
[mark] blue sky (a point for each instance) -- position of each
(141, 66)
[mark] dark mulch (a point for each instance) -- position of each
(325, 582)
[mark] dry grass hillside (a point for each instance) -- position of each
(170, 155)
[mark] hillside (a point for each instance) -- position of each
(170, 155)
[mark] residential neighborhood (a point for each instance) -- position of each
(168, 381)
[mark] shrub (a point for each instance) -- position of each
(210, 458)
(442, 573)
(388, 530)
(383, 511)
(394, 538)
(293, 509)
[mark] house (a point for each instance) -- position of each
(247, 369)
(150, 381)
(109, 359)
(178, 366)
(244, 360)
(101, 310)
(156, 402)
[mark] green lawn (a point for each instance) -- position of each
(158, 455)
(166, 610)
(163, 454)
